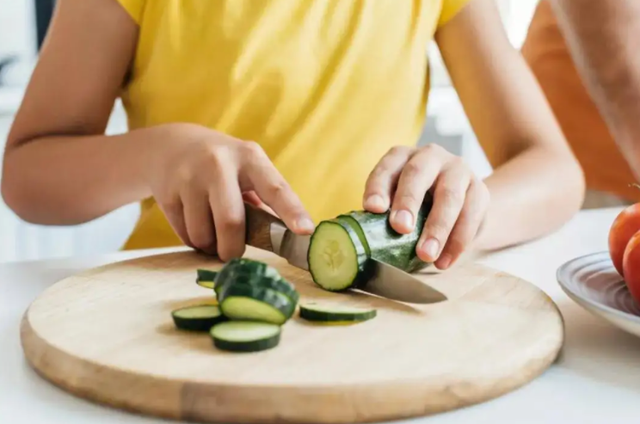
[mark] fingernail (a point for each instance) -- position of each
(305, 224)
(403, 218)
(375, 202)
(431, 248)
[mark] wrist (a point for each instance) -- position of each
(157, 146)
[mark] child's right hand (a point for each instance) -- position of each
(201, 178)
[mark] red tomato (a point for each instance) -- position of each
(626, 224)
(631, 266)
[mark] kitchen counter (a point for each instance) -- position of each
(597, 377)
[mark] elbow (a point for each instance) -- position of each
(14, 193)
(11, 197)
(16, 198)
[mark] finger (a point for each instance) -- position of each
(198, 220)
(383, 179)
(274, 190)
(228, 216)
(448, 199)
(251, 197)
(416, 178)
(466, 228)
(174, 213)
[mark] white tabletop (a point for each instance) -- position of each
(597, 377)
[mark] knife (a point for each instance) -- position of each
(267, 232)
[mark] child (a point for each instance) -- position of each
(312, 107)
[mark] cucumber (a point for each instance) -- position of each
(276, 283)
(208, 284)
(337, 258)
(313, 312)
(349, 220)
(206, 278)
(245, 336)
(388, 246)
(244, 266)
(197, 318)
(253, 303)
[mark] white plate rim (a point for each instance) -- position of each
(579, 298)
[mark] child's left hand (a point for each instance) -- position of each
(460, 199)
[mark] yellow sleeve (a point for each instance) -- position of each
(450, 8)
(134, 8)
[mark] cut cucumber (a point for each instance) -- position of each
(245, 336)
(313, 312)
(197, 318)
(206, 278)
(388, 246)
(349, 220)
(276, 283)
(206, 284)
(337, 258)
(252, 303)
(244, 266)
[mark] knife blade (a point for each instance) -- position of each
(267, 232)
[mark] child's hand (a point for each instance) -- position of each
(461, 200)
(201, 178)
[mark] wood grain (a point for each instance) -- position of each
(258, 224)
(106, 335)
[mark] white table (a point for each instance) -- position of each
(597, 377)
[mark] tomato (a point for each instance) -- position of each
(626, 224)
(631, 266)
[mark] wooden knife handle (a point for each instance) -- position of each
(258, 223)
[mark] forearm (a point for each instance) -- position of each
(65, 180)
(537, 184)
(604, 38)
(533, 194)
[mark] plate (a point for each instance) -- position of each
(593, 282)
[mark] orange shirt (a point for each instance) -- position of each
(548, 56)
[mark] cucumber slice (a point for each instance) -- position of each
(337, 258)
(245, 336)
(206, 278)
(206, 284)
(244, 266)
(389, 246)
(276, 283)
(252, 303)
(197, 318)
(349, 220)
(313, 312)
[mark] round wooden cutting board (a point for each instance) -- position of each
(107, 335)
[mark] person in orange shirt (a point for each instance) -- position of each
(585, 57)
(309, 107)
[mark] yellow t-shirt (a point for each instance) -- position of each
(327, 87)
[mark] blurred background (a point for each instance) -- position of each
(23, 25)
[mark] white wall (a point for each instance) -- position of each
(17, 27)
(517, 14)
